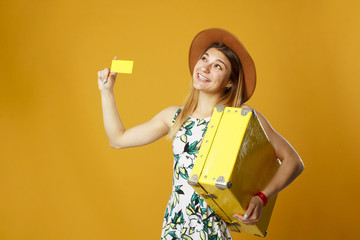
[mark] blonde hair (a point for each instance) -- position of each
(232, 97)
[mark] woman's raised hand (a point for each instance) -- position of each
(106, 80)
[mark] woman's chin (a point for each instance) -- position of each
(200, 85)
(200, 88)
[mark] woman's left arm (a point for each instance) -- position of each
(291, 166)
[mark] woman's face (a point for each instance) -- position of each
(212, 71)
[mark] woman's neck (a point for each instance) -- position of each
(205, 106)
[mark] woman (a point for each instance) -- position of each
(222, 73)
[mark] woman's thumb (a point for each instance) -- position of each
(113, 74)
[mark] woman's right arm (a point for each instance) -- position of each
(118, 136)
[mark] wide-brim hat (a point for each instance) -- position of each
(203, 39)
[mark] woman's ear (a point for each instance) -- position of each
(229, 84)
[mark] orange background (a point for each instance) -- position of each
(59, 179)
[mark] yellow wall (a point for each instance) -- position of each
(59, 179)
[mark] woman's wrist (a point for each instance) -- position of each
(107, 92)
(262, 196)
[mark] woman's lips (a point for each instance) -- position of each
(203, 78)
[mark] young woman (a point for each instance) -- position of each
(223, 73)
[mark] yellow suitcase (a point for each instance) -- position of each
(234, 161)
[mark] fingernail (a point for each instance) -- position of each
(234, 216)
(104, 81)
(245, 216)
(113, 73)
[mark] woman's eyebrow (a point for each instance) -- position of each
(222, 62)
(216, 59)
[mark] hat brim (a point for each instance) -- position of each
(203, 39)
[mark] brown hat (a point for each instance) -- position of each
(203, 39)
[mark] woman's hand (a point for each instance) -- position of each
(106, 80)
(253, 212)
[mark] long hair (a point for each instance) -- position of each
(232, 97)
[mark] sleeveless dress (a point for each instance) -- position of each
(187, 215)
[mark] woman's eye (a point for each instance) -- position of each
(218, 66)
(203, 58)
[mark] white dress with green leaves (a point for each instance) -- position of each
(187, 215)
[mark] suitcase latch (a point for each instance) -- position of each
(234, 226)
(207, 196)
(221, 184)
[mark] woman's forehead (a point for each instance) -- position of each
(217, 54)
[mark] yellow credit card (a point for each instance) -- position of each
(122, 66)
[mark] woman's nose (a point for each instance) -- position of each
(205, 67)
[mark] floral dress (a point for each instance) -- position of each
(187, 215)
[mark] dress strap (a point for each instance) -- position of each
(176, 115)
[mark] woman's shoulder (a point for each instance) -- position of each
(169, 113)
(261, 117)
(251, 108)
(172, 110)
(246, 106)
(263, 120)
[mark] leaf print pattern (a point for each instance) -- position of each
(176, 228)
(185, 130)
(176, 114)
(185, 161)
(203, 122)
(174, 198)
(187, 215)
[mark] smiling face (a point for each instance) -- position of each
(212, 72)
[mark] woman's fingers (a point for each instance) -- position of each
(249, 210)
(253, 212)
(246, 221)
(105, 75)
